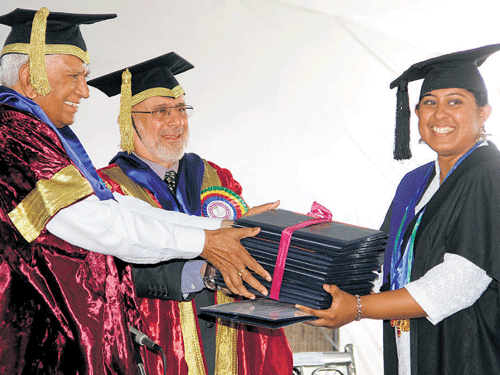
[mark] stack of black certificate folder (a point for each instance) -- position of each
(325, 253)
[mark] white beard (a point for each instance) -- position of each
(167, 154)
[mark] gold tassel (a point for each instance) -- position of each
(402, 325)
(38, 71)
(125, 118)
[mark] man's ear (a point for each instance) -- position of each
(25, 82)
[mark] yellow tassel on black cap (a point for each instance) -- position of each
(402, 136)
(125, 118)
(151, 78)
(38, 70)
(453, 70)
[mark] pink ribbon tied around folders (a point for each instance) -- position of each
(320, 214)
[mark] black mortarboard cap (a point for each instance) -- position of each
(40, 33)
(157, 73)
(155, 77)
(453, 70)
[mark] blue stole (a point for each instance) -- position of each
(74, 149)
(398, 261)
(187, 193)
(408, 194)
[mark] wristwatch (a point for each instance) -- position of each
(209, 277)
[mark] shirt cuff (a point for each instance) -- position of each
(434, 314)
(191, 279)
(449, 287)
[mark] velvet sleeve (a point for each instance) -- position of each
(38, 179)
(62, 308)
(226, 178)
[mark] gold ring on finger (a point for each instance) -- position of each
(240, 272)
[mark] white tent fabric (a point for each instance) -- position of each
(291, 95)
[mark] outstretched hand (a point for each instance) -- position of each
(341, 312)
(253, 211)
(225, 252)
(262, 208)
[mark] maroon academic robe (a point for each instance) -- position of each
(63, 309)
(240, 349)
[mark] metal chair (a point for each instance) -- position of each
(325, 363)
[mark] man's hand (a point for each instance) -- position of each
(262, 208)
(253, 211)
(224, 251)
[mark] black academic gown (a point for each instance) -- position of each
(463, 217)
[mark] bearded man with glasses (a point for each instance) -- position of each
(153, 166)
(164, 134)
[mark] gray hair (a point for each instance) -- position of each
(9, 68)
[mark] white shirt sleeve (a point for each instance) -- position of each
(131, 229)
(449, 287)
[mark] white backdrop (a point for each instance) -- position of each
(291, 95)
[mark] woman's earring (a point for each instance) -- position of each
(481, 135)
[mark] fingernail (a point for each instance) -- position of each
(264, 292)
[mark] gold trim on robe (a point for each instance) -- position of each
(226, 357)
(226, 354)
(128, 186)
(192, 350)
(210, 177)
(48, 197)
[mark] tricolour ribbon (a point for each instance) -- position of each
(320, 214)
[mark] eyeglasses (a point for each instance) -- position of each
(162, 113)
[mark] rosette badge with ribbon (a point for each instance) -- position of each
(222, 203)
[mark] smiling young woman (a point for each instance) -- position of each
(440, 302)
(450, 123)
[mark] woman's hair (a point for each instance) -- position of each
(481, 98)
(9, 68)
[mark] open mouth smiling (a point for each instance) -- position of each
(71, 104)
(442, 129)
